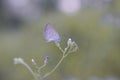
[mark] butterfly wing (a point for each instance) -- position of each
(51, 34)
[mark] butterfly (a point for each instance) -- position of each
(50, 34)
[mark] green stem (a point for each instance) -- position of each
(41, 67)
(64, 55)
(28, 67)
(58, 45)
(47, 74)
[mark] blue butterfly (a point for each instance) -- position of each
(51, 34)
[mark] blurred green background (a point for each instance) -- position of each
(95, 27)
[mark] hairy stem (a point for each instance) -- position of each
(31, 71)
(47, 74)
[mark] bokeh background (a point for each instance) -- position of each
(93, 24)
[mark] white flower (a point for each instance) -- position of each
(18, 61)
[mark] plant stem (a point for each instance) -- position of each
(47, 74)
(28, 67)
(39, 69)
(58, 45)
(64, 55)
